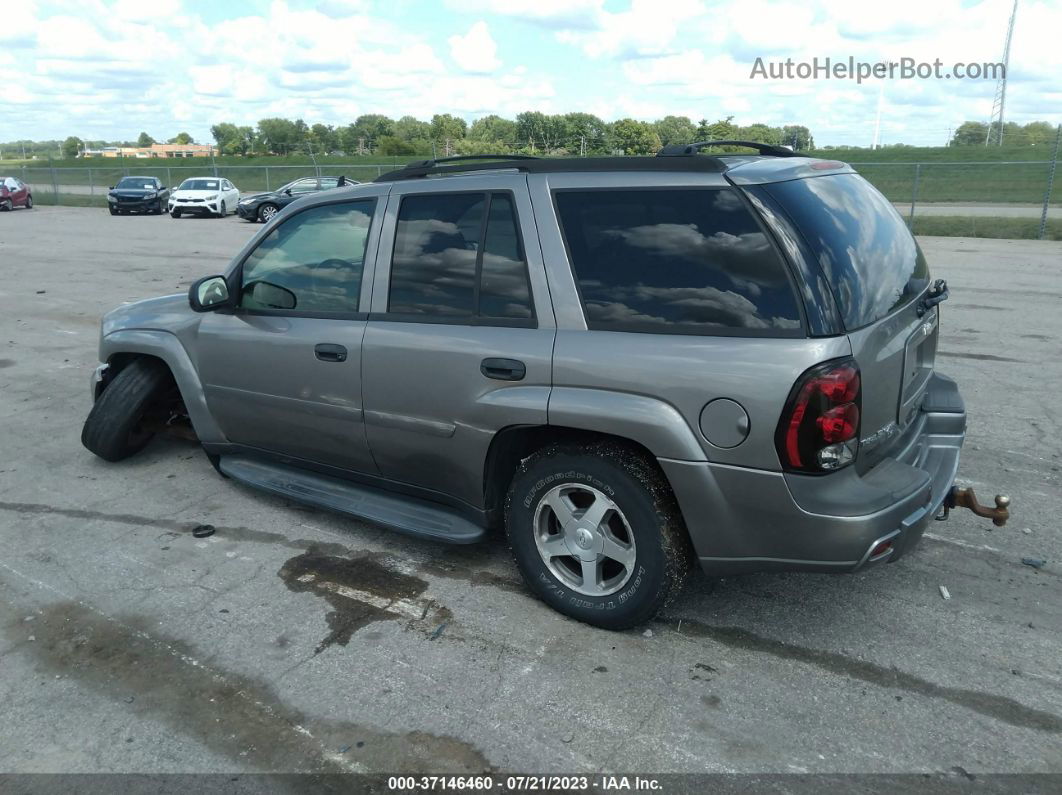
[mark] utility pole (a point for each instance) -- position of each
(582, 146)
(1050, 183)
(999, 102)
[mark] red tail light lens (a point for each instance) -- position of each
(819, 428)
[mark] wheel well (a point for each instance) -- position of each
(120, 361)
(512, 445)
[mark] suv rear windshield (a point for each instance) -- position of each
(868, 255)
(679, 261)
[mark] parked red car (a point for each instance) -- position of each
(15, 193)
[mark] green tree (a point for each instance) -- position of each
(634, 137)
(411, 129)
(969, 133)
(798, 137)
(324, 138)
(279, 136)
(493, 128)
(372, 127)
(588, 133)
(144, 140)
(226, 137)
(675, 130)
(392, 145)
(446, 127)
(760, 133)
(1037, 133)
(72, 147)
(181, 138)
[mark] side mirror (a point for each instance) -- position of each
(111, 187)
(161, 187)
(287, 191)
(209, 294)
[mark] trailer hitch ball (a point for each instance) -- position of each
(965, 498)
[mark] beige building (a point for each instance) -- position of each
(155, 150)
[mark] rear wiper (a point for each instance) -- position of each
(937, 293)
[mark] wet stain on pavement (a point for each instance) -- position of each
(158, 678)
(177, 528)
(6, 363)
(1000, 708)
(360, 590)
(984, 357)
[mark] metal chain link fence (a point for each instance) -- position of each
(976, 199)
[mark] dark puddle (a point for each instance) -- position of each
(360, 590)
(6, 363)
(1000, 708)
(160, 679)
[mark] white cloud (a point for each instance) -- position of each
(476, 51)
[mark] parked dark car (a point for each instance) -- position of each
(138, 195)
(262, 207)
(15, 193)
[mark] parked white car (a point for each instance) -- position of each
(204, 196)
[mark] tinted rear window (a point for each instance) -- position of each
(675, 261)
(868, 255)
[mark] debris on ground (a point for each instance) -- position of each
(1026, 530)
(1036, 563)
(438, 630)
(945, 592)
(203, 530)
(647, 634)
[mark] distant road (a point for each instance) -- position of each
(980, 210)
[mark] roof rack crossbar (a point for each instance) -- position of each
(675, 150)
(456, 158)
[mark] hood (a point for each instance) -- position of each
(268, 194)
(196, 194)
(169, 313)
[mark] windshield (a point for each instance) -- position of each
(864, 247)
(136, 183)
(199, 184)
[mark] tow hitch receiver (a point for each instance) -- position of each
(965, 498)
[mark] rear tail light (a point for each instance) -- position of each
(819, 428)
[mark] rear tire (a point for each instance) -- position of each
(29, 202)
(112, 430)
(629, 564)
(223, 211)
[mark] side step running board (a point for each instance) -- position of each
(405, 514)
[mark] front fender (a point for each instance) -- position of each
(167, 347)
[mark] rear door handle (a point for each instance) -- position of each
(503, 369)
(329, 352)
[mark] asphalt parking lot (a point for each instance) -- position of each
(127, 644)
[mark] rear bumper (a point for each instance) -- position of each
(745, 520)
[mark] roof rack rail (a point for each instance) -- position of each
(549, 165)
(675, 150)
(421, 168)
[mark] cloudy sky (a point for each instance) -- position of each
(107, 69)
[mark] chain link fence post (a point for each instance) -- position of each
(55, 186)
(92, 184)
(914, 196)
(268, 187)
(169, 178)
(1050, 185)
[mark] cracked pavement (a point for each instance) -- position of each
(295, 640)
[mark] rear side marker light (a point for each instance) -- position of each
(819, 428)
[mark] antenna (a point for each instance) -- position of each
(995, 124)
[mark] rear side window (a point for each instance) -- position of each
(458, 257)
(866, 251)
(676, 261)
